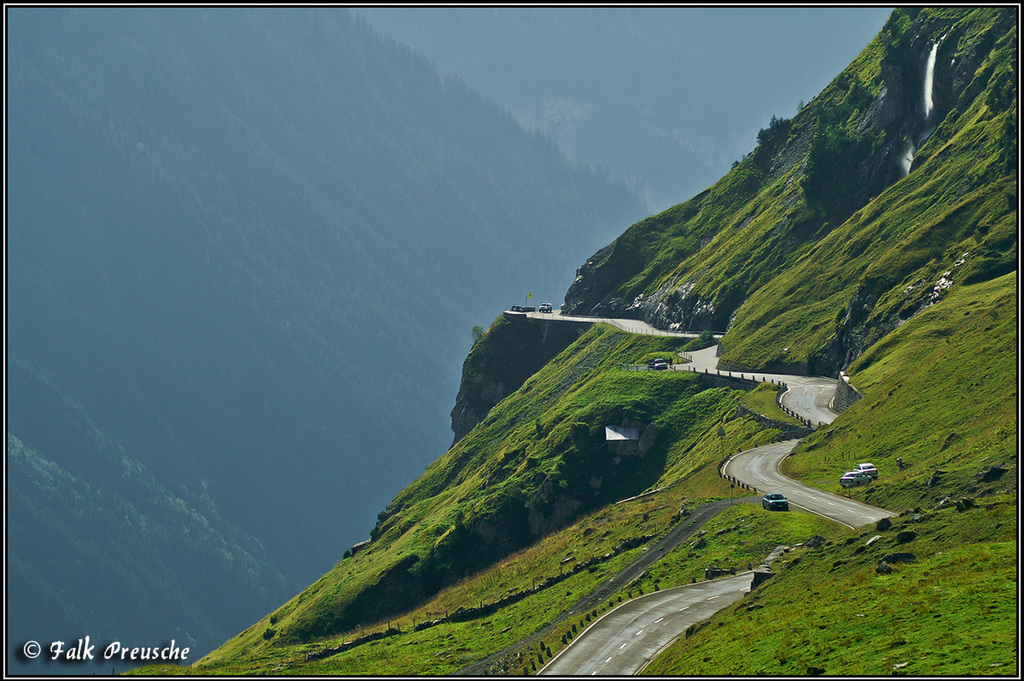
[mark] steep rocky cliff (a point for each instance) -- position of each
(514, 351)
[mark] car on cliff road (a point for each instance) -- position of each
(854, 479)
(773, 501)
(544, 307)
(868, 468)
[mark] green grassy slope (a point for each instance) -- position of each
(950, 611)
(537, 461)
(599, 542)
(941, 393)
(928, 268)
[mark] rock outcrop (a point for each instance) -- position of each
(512, 350)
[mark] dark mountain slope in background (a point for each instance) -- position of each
(245, 249)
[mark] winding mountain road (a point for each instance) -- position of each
(807, 396)
(626, 638)
(622, 641)
(759, 468)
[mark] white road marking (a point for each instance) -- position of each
(608, 660)
(658, 620)
(623, 646)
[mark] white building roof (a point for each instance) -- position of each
(617, 434)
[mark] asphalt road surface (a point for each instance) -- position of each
(622, 641)
(808, 396)
(629, 325)
(759, 468)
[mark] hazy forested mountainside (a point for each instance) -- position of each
(664, 97)
(245, 249)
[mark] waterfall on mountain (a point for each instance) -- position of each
(907, 159)
(929, 73)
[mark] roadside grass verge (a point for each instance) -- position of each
(952, 611)
(738, 538)
(762, 400)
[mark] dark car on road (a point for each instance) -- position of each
(773, 501)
